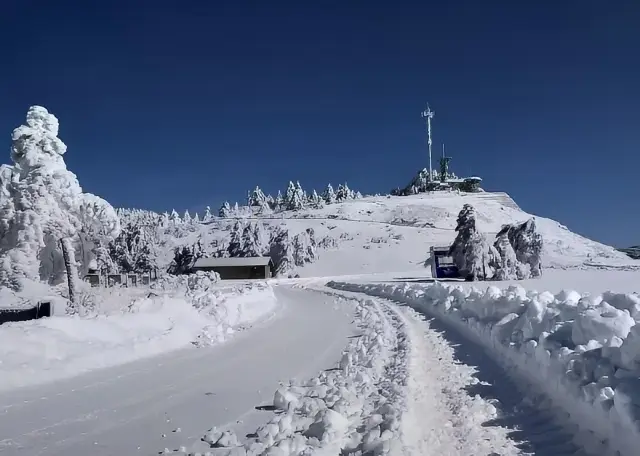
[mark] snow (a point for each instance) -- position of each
(139, 324)
(394, 233)
(137, 408)
(580, 351)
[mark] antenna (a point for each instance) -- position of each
(442, 150)
(428, 114)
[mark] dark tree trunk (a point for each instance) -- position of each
(69, 264)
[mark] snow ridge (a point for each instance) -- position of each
(577, 351)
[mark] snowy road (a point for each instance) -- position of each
(137, 408)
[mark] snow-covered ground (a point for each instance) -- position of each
(578, 355)
(131, 323)
(394, 233)
(171, 400)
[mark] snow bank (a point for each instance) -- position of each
(355, 407)
(52, 348)
(581, 351)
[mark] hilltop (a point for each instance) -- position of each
(388, 233)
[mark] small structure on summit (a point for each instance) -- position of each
(237, 268)
(429, 180)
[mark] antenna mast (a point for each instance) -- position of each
(428, 114)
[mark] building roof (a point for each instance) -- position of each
(229, 262)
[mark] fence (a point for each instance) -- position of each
(124, 280)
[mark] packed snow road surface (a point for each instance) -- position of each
(163, 402)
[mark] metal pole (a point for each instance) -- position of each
(429, 114)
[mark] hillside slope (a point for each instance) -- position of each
(394, 233)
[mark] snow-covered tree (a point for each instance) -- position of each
(236, 242)
(527, 244)
(294, 197)
(42, 207)
(343, 193)
(225, 210)
(329, 195)
(250, 245)
(184, 258)
(507, 264)
(207, 215)
(470, 250)
(175, 217)
(257, 198)
(280, 252)
(316, 200)
(187, 217)
(278, 202)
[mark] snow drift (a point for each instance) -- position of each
(142, 323)
(581, 351)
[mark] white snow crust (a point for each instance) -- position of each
(580, 351)
(130, 324)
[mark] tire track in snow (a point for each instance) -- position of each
(528, 418)
(441, 417)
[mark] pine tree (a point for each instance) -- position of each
(250, 247)
(236, 241)
(225, 210)
(294, 198)
(329, 195)
(278, 203)
(207, 215)
(196, 218)
(316, 201)
(174, 217)
(187, 217)
(257, 198)
(469, 251)
(507, 267)
(344, 193)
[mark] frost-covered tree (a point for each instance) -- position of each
(507, 264)
(329, 195)
(257, 198)
(280, 252)
(131, 251)
(316, 200)
(225, 210)
(278, 202)
(43, 207)
(470, 251)
(207, 215)
(250, 244)
(184, 258)
(187, 217)
(175, 217)
(236, 242)
(343, 193)
(294, 197)
(527, 244)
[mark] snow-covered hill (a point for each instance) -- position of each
(394, 233)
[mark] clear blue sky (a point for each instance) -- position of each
(180, 104)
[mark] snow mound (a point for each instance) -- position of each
(354, 408)
(324, 414)
(581, 351)
(43, 350)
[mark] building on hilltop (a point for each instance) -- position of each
(429, 179)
